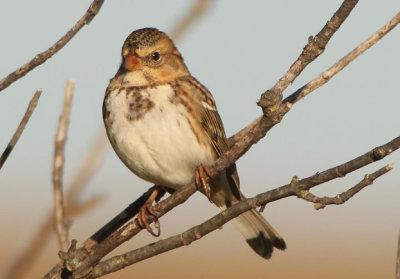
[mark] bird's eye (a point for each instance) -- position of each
(155, 56)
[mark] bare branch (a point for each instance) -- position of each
(31, 107)
(328, 74)
(316, 45)
(42, 57)
(271, 100)
(61, 223)
(320, 203)
(292, 189)
(199, 8)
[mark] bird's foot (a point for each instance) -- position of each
(202, 176)
(147, 210)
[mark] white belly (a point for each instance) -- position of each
(159, 146)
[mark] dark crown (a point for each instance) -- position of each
(143, 38)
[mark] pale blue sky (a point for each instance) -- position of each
(240, 49)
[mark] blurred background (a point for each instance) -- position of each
(238, 49)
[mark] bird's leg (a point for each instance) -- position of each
(147, 210)
(202, 177)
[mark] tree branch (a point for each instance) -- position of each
(320, 203)
(292, 189)
(315, 47)
(328, 74)
(61, 223)
(271, 101)
(42, 57)
(31, 107)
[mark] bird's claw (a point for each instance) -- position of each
(202, 177)
(147, 210)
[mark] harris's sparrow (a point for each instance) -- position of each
(164, 126)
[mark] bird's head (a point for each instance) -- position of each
(151, 53)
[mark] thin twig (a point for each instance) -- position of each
(42, 57)
(61, 223)
(31, 107)
(292, 189)
(341, 198)
(328, 74)
(199, 8)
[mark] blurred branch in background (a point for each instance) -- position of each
(73, 207)
(61, 222)
(199, 9)
(42, 57)
(31, 107)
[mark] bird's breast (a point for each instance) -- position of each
(155, 135)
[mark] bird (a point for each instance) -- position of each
(164, 126)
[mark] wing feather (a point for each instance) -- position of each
(212, 124)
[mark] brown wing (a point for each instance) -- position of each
(212, 125)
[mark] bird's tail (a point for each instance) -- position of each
(259, 234)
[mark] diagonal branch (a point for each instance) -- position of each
(328, 74)
(316, 46)
(42, 57)
(271, 100)
(292, 189)
(31, 107)
(61, 223)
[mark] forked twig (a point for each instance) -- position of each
(341, 198)
(328, 74)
